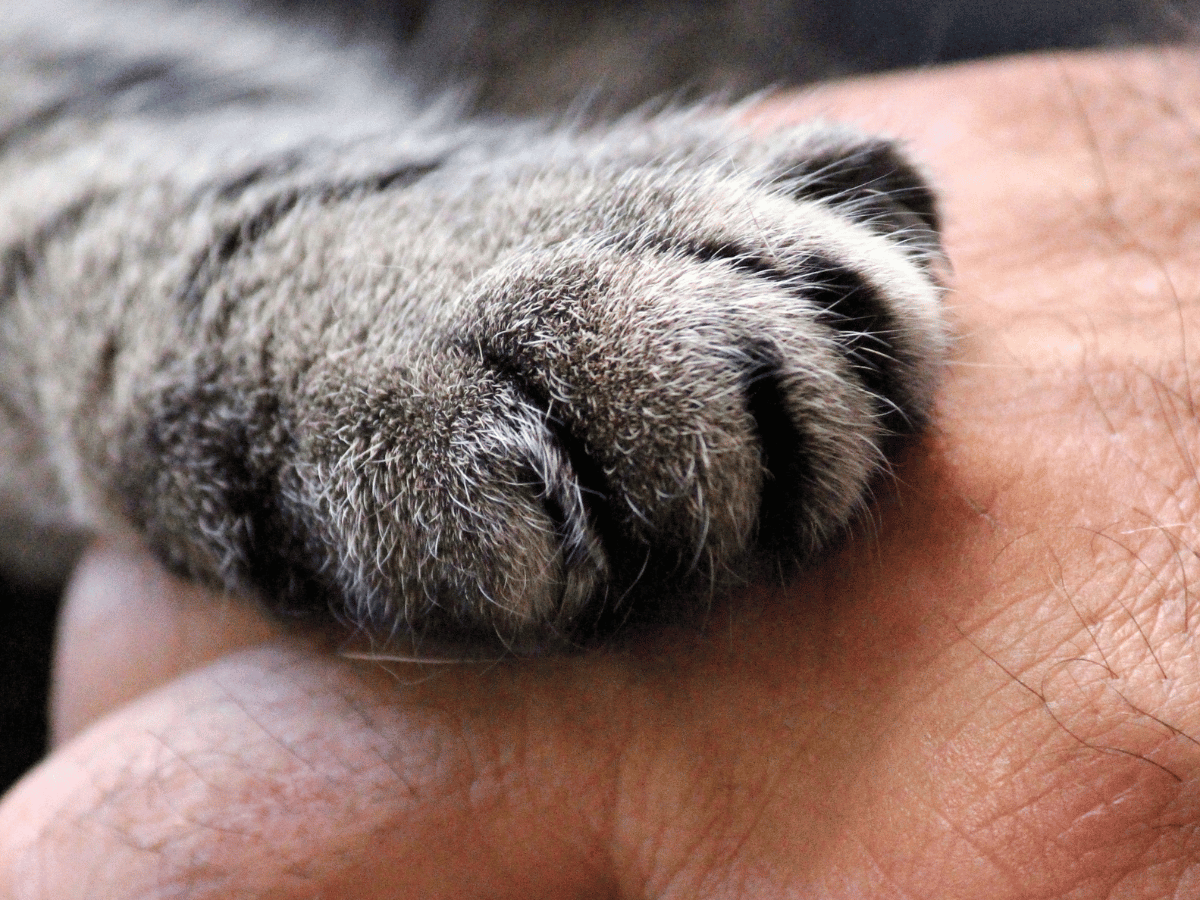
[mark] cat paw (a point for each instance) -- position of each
(590, 383)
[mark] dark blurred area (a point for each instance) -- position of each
(870, 34)
(521, 54)
(27, 614)
(885, 34)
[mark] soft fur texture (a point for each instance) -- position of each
(495, 384)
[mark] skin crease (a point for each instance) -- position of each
(992, 692)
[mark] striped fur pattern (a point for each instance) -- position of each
(487, 384)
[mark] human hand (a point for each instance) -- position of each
(992, 693)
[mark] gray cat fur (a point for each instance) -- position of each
(498, 384)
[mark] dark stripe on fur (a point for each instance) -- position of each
(588, 474)
(872, 184)
(20, 262)
(159, 87)
(241, 236)
(232, 189)
(215, 428)
(865, 325)
(782, 447)
(848, 305)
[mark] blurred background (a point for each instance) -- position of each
(518, 55)
(523, 54)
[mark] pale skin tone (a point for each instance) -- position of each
(994, 692)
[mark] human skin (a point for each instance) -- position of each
(993, 690)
